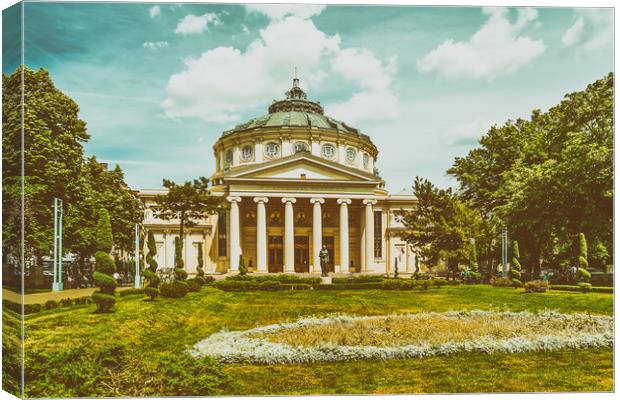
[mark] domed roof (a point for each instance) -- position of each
(296, 110)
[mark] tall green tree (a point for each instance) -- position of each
(152, 251)
(547, 178)
(440, 226)
(105, 265)
(200, 261)
(53, 137)
(188, 203)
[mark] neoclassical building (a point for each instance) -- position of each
(296, 180)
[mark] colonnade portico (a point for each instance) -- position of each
(288, 237)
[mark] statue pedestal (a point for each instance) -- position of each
(326, 280)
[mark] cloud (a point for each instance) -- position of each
(155, 45)
(225, 82)
(593, 29)
(376, 99)
(191, 24)
(498, 48)
(279, 11)
(154, 11)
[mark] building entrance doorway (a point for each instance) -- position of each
(302, 254)
(276, 254)
(328, 241)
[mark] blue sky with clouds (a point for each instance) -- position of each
(157, 84)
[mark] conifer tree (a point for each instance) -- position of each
(104, 265)
(199, 270)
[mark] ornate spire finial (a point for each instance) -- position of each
(295, 79)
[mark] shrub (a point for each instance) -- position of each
(105, 282)
(420, 276)
(199, 279)
(350, 286)
(105, 302)
(174, 289)
(51, 304)
(32, 308)
(178, 253)
(537, 286)
(207, 279)
(199, 270)
(242, 269)
(359, 279)
(104, 263)
(150, 256)
(131, 292)
(516, 283)
(583, 275)
(180, 274)
(584, 286)
(282, 278)
(151, 277)
(66, 302)
(152, 292)
(579, 288)
(399, 284)
(193, 285)
(501, 282)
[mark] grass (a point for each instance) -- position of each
(138, 350)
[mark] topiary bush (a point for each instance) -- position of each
(50, 304)
(583, 275)
(584, 286)
(131, 292)
(515, 267)
(536, 286)
(242, 270)
(199, 270)
(199, 279)
(152, 292)
(193, 285)
(66, 302)
(105, 282)
(180, 274)
(104, 263)
(501, 282)
(176, 289)
(516, 283)
(152, 278)
(105, 302)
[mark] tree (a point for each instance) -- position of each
(440, 225)
(473, 256)
(515, 266)
(179, 272)
(547, 178)
(188, 203)
(242, 269)
(53, 135)
(199, 265)
(105, 266)
(152, 252)
(582, 272)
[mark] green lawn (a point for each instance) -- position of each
(138, 350)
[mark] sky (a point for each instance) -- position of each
(157, 84)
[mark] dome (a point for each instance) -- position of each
(292, 125)
(296, 110)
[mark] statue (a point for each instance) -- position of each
(324, 257)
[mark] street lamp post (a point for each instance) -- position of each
(505, 252)
(57, 262)
(136, 281)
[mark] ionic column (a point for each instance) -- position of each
(344, 234)
(261, 234)
(369, 234)
(289, 235)
(234, 235)
(317, 234)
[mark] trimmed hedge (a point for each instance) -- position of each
(193, 285)
(359, 279)
(131, 292)
(574, 288)
(350, 286)
(536, 286)
(152, 292)
(251, 286)
(174, 289)
(282, 278)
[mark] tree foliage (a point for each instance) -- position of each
(441, 225)
(187, 203)
(152, 252)
(547, 178)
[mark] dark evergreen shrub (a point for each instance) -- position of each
(131, 292)
(537, 286)
(105, 302)
(200, 280)
(51, 304)
(242, 269)
(180, 274)
(584, 286)
(66, 302)
(174, 289)
(104, 263)
(152, 292)
(152, 278)
(583, 275)
(193, 286)
(105, 282)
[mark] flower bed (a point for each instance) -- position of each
(313, 339)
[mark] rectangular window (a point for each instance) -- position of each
(378, 235)
(222, 233)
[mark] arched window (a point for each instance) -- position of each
(247, 152)
(366, 160)
(351, 154)
(229, 157)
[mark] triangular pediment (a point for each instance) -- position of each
(305, 167)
